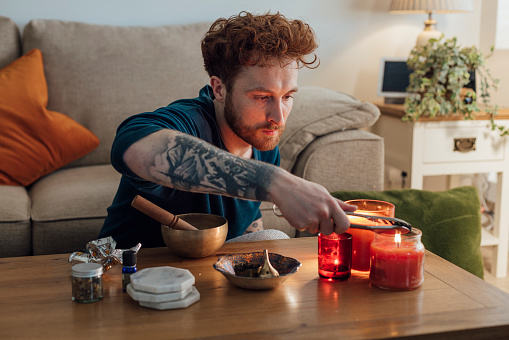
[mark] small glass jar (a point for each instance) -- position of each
(397, 260)
(334, 256)
(87, 282)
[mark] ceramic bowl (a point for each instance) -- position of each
(197, 243)
(226, 265)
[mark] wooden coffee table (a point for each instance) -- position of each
(35, 301)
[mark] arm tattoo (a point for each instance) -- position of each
(190, 164)
(255, 226)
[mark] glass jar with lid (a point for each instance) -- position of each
(87, 283)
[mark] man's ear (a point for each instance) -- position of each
(218, 88)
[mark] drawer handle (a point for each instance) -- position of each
(464, 144)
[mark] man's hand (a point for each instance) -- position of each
(309, 206)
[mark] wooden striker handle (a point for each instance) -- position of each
(159, 214)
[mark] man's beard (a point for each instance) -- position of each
(248, 133)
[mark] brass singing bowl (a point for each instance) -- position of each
(205, 241)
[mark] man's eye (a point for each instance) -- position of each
(263, 97)
(290, 96)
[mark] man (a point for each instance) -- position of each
(218, 153)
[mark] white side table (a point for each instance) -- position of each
(452, 146)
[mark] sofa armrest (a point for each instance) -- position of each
(318, 112)
(346, 160)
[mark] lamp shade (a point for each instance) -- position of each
(433, 6)
(429, 7)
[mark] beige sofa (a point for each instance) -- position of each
(99, 75)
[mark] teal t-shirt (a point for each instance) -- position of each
(195, 117)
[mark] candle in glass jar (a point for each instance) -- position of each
(397, 260)
(361, 239)
(334, 256)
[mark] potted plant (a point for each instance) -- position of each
(440, 72)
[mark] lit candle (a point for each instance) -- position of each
(361, 239)
(397, 260)
(397, 239)
(334, 256)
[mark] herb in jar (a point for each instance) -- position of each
(87, 282)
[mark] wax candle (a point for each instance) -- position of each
(361, 239)
(334, 256)
(397, 260)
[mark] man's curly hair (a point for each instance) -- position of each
(247, 40)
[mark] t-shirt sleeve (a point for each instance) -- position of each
(139, 126)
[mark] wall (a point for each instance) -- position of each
(353, 34)
(498, 62)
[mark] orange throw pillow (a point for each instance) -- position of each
(34, 141)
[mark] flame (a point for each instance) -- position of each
(397, 238)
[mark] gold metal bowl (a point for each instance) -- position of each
(197, 243)
(228, 266)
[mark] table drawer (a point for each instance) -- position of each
(446, 144)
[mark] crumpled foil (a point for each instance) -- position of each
(101, 251)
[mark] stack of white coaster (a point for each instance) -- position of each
(163, 288)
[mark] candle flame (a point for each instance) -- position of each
(397, 238)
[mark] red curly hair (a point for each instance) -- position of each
(247, 40)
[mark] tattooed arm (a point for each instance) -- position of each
(255, 226)
(177, 160)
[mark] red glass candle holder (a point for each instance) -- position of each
(361, 239)
(335, 256)
(397, 260)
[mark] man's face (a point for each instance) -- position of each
(260, 101)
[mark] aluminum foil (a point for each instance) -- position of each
(101, 251)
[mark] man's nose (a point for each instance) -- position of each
(276, 113)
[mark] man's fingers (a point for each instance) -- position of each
(345, 206)
(341, 222)
(330, 213)
(307, 227)
(327, 227)
(312, 230)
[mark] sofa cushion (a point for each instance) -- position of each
(75, 193)
(14, 203)
(15, 226)
(450, 220)
(99, 74)
(69, 207)
(10, 42)
(317, 112)
(33, 140)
